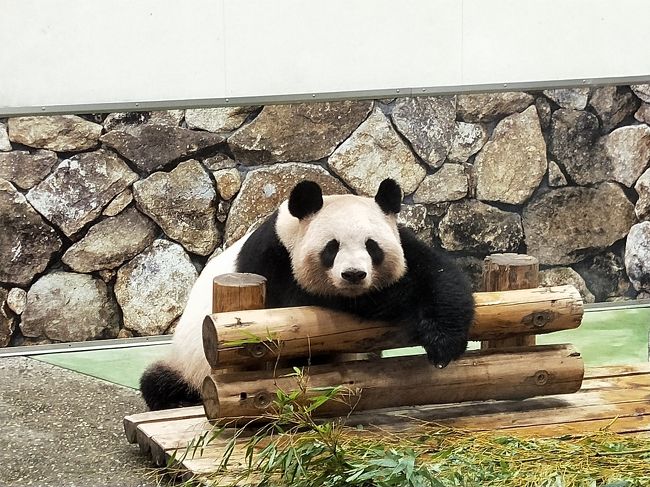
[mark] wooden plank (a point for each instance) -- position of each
(620, 403)
(531, 407)
(626, 422)
(548, 417)
(132, 422)
(169, 440)
(617, 370)
(622, 425)
(165, 438)
(207, 464)
(622, 382)
(148, 432)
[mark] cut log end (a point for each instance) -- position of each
(210, 394)
(239, 279)
(511, 259)
(210, 342)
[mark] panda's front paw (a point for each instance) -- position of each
(437, 356)
(442, 349)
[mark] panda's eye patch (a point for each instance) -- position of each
(328, 254)
(375, 252)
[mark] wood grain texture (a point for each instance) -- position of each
(210, 397)
(410, 381)
(612, 397)
(249, 337)
(506, 272)
(237, 291)
(231, 292)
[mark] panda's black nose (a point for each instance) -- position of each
(353, 276)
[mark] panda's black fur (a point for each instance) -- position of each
(432, 297)
(163, 387)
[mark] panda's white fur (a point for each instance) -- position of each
(391, 276)
(186, 353)
(304, 238)
(300, 237)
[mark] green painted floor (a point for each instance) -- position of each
(606, 337)
(122, 366)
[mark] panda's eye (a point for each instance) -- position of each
(328, 254)
(375, 252)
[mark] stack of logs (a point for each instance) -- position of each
(241, 335)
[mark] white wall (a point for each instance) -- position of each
(94, 55)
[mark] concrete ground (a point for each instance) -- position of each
(64, 429)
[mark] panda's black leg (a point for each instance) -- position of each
(163, 388)
(437, 301)
(441, 346)
(444, 321)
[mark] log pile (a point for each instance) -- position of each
(244, 344)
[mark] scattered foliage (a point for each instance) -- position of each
(294, 449)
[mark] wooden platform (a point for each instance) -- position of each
(614, 397)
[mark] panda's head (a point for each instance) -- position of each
(342, 245)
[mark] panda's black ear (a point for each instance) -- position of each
(305, 199)
(389, 196)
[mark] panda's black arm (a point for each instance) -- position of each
(443, 302)
(263, 254)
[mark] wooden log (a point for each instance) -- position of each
(238, 291)
(404, 381)
(247, 337)
(210, 396)
(232, 292)
(505, 272)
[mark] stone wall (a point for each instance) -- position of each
(106, 220)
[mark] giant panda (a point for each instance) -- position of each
(343, 252)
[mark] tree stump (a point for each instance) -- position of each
(230, 292)
(237, 292)
(507, 272)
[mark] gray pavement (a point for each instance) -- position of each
(64, 429)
